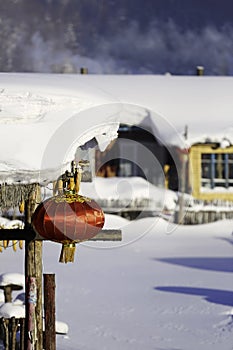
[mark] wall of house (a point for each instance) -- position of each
(136, 152)
(211, 172)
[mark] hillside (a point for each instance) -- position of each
(116, 36)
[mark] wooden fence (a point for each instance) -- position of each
(193, 217)
(12, 333)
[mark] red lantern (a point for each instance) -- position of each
(68, 219)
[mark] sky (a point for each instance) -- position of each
(117, 37)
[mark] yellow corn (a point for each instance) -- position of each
(5, 243)
(14, 245)
(21, 207)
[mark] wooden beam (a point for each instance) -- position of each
(108, 235)
(28, 234)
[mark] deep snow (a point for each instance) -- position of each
(45, 117)
(164, 287)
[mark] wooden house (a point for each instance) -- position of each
(211, 170)
(184, 124)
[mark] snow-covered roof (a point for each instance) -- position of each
(44, 118)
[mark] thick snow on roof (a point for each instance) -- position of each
(43, 121)
(43, 118)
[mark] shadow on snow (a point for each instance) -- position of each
(217, 296)
(220, 264)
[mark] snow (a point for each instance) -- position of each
(9, 310)
(16, 279)
(114, 222)
(10, 224)
(16, 310)
(2, 298)
(44, 118)
(20, 299)
(61, 327)
(129, 190)
(163, 287)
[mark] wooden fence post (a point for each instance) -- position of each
(33, 270)
(22, 332)
(49, 312)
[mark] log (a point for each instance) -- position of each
(33, 272)
(14, 327)
(8, 294)
(22, 332)
(49, 312)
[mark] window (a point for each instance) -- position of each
(216, 170)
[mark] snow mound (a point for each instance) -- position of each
(16, 279)
(129, 191)
(9, 310)
(61, 327)
(114, 221)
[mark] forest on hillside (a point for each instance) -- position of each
(116, 36)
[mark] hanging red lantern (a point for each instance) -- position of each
(68, 219)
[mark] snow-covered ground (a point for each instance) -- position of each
(164, 287)
(129, 192)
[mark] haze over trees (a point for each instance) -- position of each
(116, 36)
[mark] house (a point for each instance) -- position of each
(175, 131)
(211, 166)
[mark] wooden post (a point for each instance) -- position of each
(33, 279)
(6, 328)
(22, 332)
(49, 312)
(14, 327)
(8, 294)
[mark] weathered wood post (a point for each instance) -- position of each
(7, 294)
(33, 282)
(14, 326)
(22, 332)
(49, 312)
(181, 200)
(6, 328)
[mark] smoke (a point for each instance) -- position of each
(162, 47)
